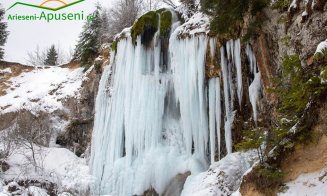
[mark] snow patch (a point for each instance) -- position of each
(5, 71)
(198, 23)
(314, 184)
(223, 177)
(322, 46)
(56, 165)
(42, 89)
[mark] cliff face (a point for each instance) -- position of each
(292, 32)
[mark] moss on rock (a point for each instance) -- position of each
(114, 45)
(148, 24)
(165, 22)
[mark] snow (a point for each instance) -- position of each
(293, 5)
(5, 71)
(42, 89)
(57, 165)
(313, 184)
(222, 178)
(198, 23)
(322, 46)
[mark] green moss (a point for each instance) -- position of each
(165, 22)
(286, 40)
(114, 45)
(147, 21)
(147, 25)
(320, 55)
(281, 4)
(282, 19)
(323, 74)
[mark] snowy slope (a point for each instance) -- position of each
(56, 165)
(42, 89)
(313, 184)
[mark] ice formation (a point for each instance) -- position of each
(231, 55)
(156, 118)
(255, 85)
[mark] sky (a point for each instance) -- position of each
(25, 36)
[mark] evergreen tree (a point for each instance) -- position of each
(52, 56)
(88, 45)
(3, 32)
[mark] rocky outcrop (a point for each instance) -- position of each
(284, 34)
(77, 135)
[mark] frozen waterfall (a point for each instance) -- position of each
(156, 118)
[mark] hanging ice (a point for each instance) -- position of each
(255, 86)
(214, 117)
(155, 120)
(228, 98)
(218, 116)
(155, 124)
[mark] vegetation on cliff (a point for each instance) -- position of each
(148, 24)
(3, 32)
(228, 16)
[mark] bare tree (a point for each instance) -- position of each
(36, 57)
(123, 15)
(31, 131)
(39, 55)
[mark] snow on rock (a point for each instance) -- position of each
(5, 71)
(313, 184)
(322, 46)
(198, 23)
(33, 190)
(42, 89)
(222, 178)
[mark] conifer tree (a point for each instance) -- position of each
(88, 45)
(3, 32)
(52, 56)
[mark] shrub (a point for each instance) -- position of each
(228, 14)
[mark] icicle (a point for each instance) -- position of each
(254, 92)
(218, 115)
(237, 59)
(226, 72)
(212, 116)
(255, 86)
(155, 124)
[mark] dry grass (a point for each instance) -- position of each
(310, 157)
(71, 65)
(16, 69)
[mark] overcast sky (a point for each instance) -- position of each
(27, 35)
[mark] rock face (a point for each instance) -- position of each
(289, 33)
(76, 136)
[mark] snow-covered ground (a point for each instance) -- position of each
(55, 165)
(313, 184)
(223, 177)
(42, 88)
